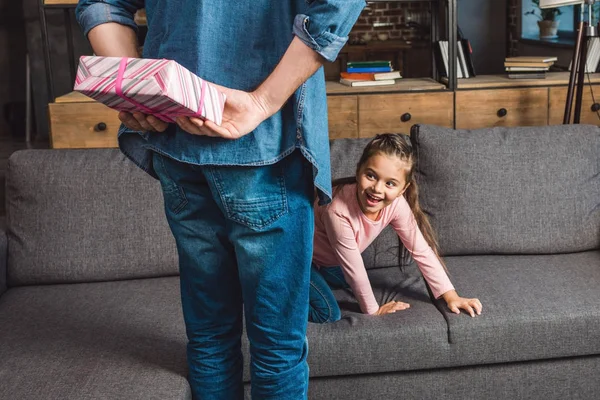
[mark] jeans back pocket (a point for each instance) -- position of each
(254, 196)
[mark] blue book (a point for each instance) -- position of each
(370, 69)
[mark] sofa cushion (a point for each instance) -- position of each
(534, 307)
(108, 340)
(84, 215)
(511, 190)
(416, 338)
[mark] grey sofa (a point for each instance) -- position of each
(89, 302)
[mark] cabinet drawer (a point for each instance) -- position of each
(343, 116)
(82, 125)
(558, 98)
(396, 113)
(501, 107)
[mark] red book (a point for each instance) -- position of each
(358, 76)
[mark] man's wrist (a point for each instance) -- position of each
(264, 102)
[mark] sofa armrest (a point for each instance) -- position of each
(3, 255)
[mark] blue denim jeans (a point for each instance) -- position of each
(323, 306)
(244, 239)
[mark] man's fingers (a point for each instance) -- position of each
(185, 124)
(157, 124)
(141, 119)
(129, 121)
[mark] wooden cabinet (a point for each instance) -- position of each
(589, 108)
(501, 107)
(76, 121)
(396, 113)
(343, 116)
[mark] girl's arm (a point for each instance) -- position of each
(341, 239)
(434, 273)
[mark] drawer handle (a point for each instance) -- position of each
(502, 112)
(100, 126)
(405, 117)
(595, 107)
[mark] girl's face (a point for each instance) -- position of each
(380, 181)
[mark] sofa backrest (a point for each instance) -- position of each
(522, 190)
(84, 215)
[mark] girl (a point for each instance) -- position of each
(382, 193)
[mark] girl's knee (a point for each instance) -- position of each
(322, 316)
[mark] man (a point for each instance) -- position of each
(238, 197)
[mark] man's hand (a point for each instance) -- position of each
(142, 122)
(243, 112)
(392, 307)
(456, 303)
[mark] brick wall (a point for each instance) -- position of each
(391, 18)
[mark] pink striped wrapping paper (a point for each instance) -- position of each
(162, 88)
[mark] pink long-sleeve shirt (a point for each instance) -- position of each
(343, 232)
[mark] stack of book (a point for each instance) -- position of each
(369, 73)
(528, 67)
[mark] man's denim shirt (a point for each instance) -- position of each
(237, 44)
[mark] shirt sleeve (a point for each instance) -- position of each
(407, 229)
(91, 13)
(342, 241)
(326, 25)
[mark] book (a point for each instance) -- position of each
(442, 57)
(527, 75)
(528, 64)
(359, 64)
(358, 76)
(359, 83)
(382, 76)
(462, 60)
(527, 69)
(468, 51)
(527, 59)
(366, 76)
(593, 55)
(369, 69)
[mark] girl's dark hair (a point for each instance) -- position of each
(398, 145)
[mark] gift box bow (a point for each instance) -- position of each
(162, 88)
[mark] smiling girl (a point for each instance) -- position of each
(382, 193)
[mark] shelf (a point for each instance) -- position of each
(499, 81)
(74, 97)
(402, 85)
(64, 3)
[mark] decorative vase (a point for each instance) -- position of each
(548, 29)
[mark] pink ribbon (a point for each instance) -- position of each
(146, 110)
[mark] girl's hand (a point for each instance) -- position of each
(392, 307)
(142, 122)
(243, 112)
(456, 303)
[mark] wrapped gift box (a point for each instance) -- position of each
(162, 88)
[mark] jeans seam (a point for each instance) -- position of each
(182, 197)
(328, 319)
